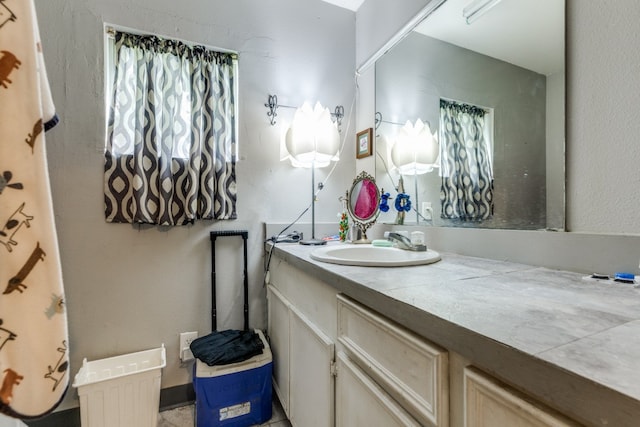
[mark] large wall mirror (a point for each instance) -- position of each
(490, 85)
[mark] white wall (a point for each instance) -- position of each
(132, 288)
(603, 152)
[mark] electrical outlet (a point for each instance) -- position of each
(427, 211)
(185, 341)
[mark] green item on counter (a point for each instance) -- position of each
(382, 242)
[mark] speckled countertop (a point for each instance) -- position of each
(565, 338)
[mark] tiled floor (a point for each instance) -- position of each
(184, 417)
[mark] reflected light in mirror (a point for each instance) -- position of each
(416, 150)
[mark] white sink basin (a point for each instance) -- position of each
(372, 256)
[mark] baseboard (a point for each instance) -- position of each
(170, 398)
(67, 418)
(177, 396)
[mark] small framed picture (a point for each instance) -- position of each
(364, 143)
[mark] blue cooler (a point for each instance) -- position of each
(238, 394)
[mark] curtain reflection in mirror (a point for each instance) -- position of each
(467, 172)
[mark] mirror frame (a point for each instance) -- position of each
(363, 223)
(427, 10)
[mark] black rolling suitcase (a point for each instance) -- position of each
(232, 373)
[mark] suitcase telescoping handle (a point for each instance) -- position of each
(214, 235)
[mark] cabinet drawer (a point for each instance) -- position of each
(411, 370)
(487, 402)
(361, 402)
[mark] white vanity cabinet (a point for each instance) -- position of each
(439, 352)
(383, 375)
(301, 316)
(340, 363)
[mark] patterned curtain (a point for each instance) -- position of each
(466, 192)
(171, 140)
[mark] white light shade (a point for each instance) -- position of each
(416, 149)
(312, 140)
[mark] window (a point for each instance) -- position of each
(171, 138)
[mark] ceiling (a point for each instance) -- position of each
(347, 4)
(527, 33)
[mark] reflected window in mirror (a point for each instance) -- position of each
(466, 193)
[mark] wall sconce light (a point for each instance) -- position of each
(477, 8)
(272, 105)
(312, 141)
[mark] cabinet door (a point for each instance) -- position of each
(278, 330)
(489, 403)
(311, 381)
(361, 402)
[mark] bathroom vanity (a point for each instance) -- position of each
(462, 342)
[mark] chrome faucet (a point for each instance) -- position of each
(403, 242)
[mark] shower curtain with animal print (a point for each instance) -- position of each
(34, 367)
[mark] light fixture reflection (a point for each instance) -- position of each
(416, 150)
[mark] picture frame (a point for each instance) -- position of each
(364, 143)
